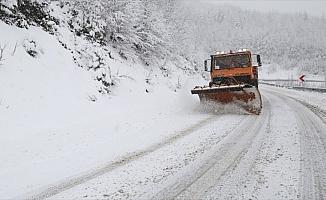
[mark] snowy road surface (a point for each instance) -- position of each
(280, 154)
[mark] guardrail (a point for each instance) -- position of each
(309, 85)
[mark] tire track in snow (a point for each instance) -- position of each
(71, 182)
(315, 109)
(312, 148)
(270, 168)
(144, 177)
(319, 112)
(221, 159)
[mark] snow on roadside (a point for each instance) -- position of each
(50, 128)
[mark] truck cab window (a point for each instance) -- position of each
(224, 62)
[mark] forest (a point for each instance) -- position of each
(167, 29)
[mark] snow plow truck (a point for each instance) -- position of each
(234, 80)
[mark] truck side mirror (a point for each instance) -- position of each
(259, 61)
(207, 69)
(205, 64)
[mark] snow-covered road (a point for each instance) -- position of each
(277, 155)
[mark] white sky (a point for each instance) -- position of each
(312, 7)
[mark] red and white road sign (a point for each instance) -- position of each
(301, 78)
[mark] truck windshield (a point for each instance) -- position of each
(231, 61)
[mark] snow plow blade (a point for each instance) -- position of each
(247, 96)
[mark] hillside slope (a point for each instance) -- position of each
(61, 115)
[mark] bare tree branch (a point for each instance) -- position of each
(15, 48)
(2, 49)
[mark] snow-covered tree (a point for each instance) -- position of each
(286, 39)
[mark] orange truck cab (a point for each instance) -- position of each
(234, 66)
